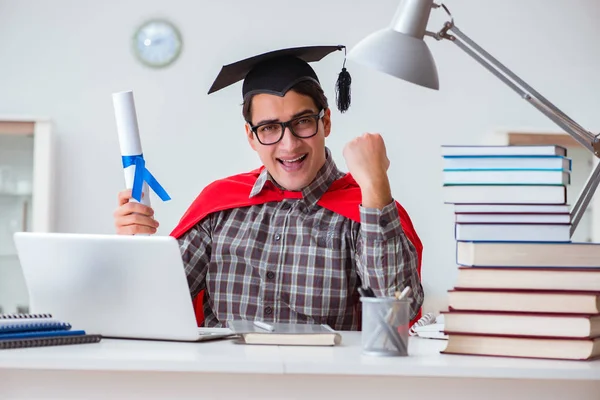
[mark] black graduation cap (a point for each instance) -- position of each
(277, 71)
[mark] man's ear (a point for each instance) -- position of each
(327, 122)
(250, 137)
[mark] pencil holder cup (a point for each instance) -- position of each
(385, 323)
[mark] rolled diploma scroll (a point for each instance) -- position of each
(129, 137)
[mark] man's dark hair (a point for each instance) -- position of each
(307, 88)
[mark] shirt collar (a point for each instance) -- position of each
(311, 193)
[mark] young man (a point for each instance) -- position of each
(293, 240)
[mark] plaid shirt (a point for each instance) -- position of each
(294, 261)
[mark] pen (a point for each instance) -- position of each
(264, 326)
(403, 294)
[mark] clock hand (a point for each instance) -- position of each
(154, 41)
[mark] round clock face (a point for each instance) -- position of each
(157, 43)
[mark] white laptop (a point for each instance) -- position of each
(114, 285)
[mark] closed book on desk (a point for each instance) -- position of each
(530, 209)
(38, 330)
(285, 334)
(505, 177)
(504, 194)
(524, 301)
(48, 341)
(522, 324)
(12, 326)
(509, 232)
(25, 317)
(13, 323)
(528, 254)
(548, 348)
(39, 334)
(502, 150)
(505, 218)
(556, 279)
(479, 162)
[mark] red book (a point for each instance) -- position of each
(544, 301)
(523, 347)
(550, 325)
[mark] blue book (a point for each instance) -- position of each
(33, 327)
(49, 341)
(507, 163)
(532, 150)
(564, 255)
(39, 334)
(506, 177)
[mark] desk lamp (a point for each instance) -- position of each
(400, 50)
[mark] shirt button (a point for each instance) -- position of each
(270, 275)
(285, 206)
(383, 222)
(268, 310)
(277, 236)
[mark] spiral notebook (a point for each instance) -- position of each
(30, 322)
(430, 327)
(25, 316)
(38, 330)
(49, 341)
(33, 326)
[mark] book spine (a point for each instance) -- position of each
(33, 327)
(49, 341)
(27, 335)
(25, 316)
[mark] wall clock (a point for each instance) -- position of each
(157, 43)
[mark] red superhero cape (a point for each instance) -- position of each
(342, 197)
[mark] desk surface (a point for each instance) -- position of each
(424, 360)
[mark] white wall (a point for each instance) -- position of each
(64, 58)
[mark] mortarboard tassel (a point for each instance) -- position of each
(342, 88)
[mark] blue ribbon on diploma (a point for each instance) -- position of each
(143, 175)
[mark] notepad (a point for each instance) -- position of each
(285, 334)
(24, 316)
(22, 326)
(429, 326)
(37, 330)
(32, 320)
(49, 341)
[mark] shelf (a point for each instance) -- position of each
(9, 255)
(12, 194)
(8, 262)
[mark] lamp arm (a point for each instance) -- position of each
(585, 138)
(585, 197)
(581, 135)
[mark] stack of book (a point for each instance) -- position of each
(37, 330)
(523, 288)
(508, 193)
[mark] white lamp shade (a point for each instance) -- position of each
(399, 55)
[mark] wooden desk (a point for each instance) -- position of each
(123, 369)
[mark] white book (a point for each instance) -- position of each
(284, 334)
(514, 232)
(504, 218)
(508, 162)
(533, 150)
(502, 177)
(504, 194)
(538, 255)
(511, 208)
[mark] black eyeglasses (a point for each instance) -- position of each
(303, 127)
